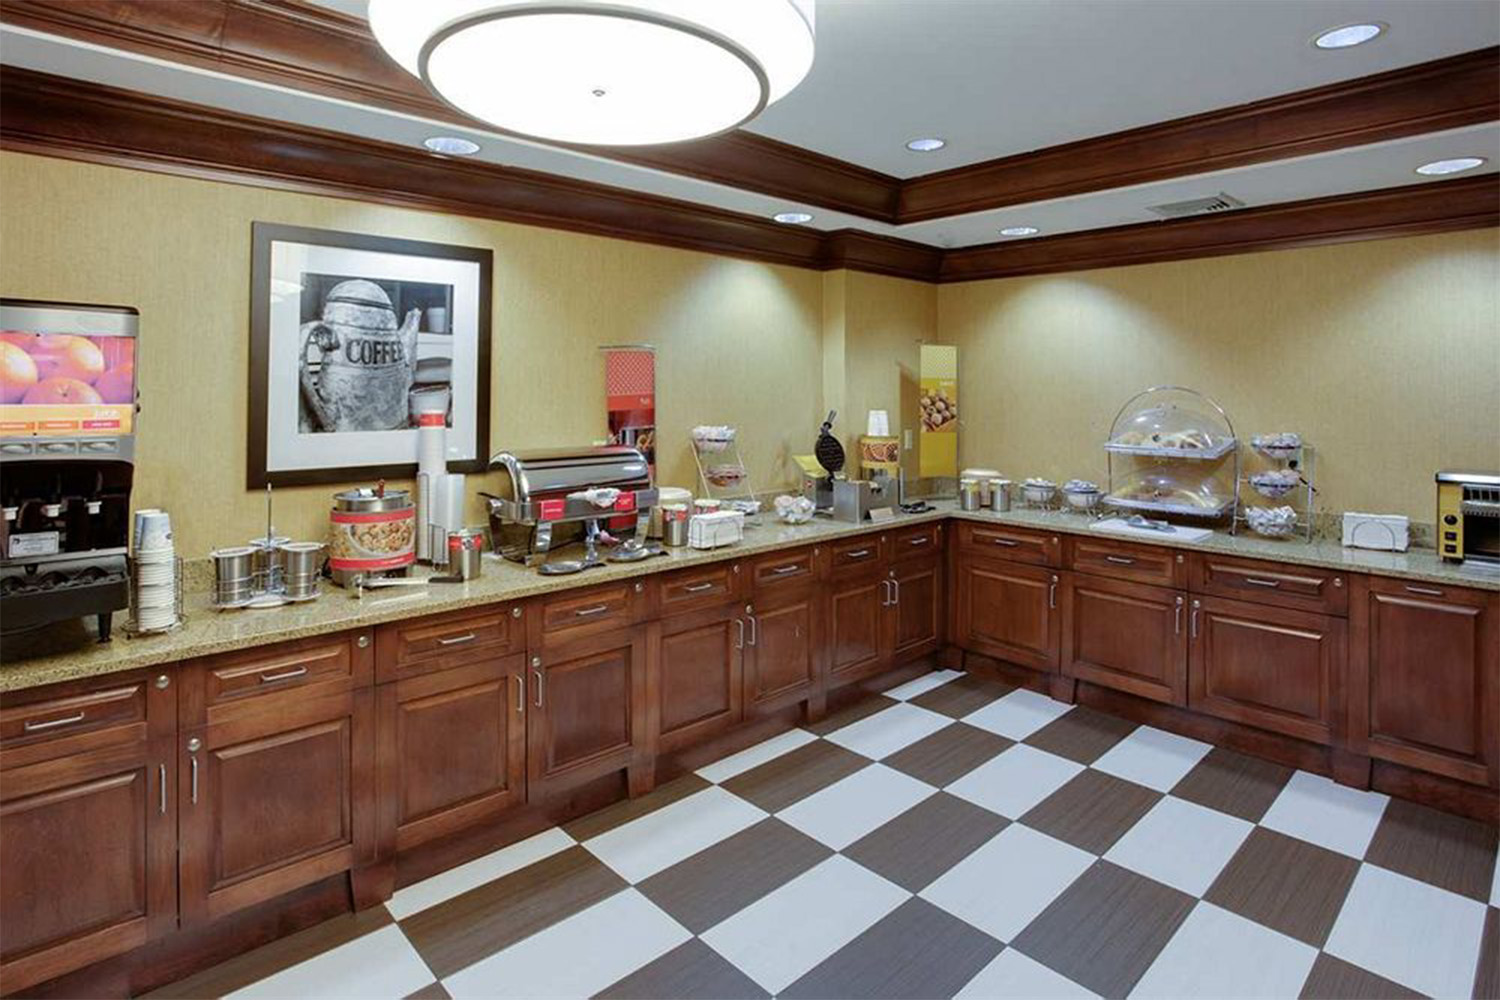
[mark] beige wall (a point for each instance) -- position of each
(886, 322)
(738, 342)
(1385, 355)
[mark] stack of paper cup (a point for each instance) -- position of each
(432, 464)
(153, 572)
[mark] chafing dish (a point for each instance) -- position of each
(546, 498)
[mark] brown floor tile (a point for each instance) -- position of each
(925, 841)
(853, 713)
(1083, 735)
(916, 951)
(1106, 928)
(1438, 848)
(727, 877)
(622, 812)
(460, 931)
(1234, 783)
(1286, 884)
(1092, 811)
(948, 754)
(962, 695)
(794, 776)
(1487, 976)
(432, 991)
(267, 960)
(1334, 979)
(690, 971)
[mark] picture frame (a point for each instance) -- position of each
(353, 336)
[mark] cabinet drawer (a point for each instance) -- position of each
(779, 570)
(596, 608)
(1014, 544)
(63, 715)
(699, 587)
(1288, 586)
(272, 671)
(443, 641)
(917, 542)
(1124, 561)
(855, 556)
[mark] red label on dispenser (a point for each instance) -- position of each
(625, 502)
(432, 418)
(551, 510)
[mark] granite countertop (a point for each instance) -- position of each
(67, 650)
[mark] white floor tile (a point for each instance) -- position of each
(882, 734)
(723, 770)
(778, 938)
(1152, 758)
(1218, 954)
(1181, 844)
(641, 848)
(1018, 714)
(1330, 815)
(923, 684)
(379, 965)
(1001, 887)
(1412, 933)
(456, 881)
(1014, 781)
(850, 808)
(577, 957)
(1013, 976)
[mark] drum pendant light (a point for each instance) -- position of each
(636, 72)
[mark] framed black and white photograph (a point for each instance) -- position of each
(352, 339)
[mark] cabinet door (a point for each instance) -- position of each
(88, 853)
(1422, 677)
(856, 628)
(781, 666)
(916, 610)
(587, 711)
(1128, 636)
(1009, 611)
(1275, 668)
(274, 800)
(452, 749)
(699, 677)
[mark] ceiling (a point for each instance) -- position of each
(995, 78)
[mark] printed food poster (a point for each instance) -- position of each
(938, 446)
(63, 384)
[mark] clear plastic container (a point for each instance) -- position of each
(1171, 423)
(1171, 490)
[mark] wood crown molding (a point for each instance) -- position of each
(305, 47)
(72, 119)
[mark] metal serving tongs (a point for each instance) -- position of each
(1142, 521)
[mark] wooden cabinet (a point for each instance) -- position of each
(1000, 541)
(916, 612)
(1009, 611)
(587, 710)
(1128, 561)
(1127, 636)
(1303, 587)
(452, 749)
(1423, 681)
(857, 626)
(781, 651)
(1275, 668)
(699, 676)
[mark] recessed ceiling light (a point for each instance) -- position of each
(1349, 36)
(926, 145)
(793, 218)
(451, 145)
(1019, 231)
(1438, 168)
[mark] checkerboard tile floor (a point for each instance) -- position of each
(951, 838)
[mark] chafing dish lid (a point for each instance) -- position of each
(554, 470)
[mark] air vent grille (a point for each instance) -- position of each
(1220, 202)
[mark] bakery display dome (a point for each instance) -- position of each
(1173, 450)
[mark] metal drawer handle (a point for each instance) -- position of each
(1052, 594)
(1177, 617)
(784, 570)
(1257, 582)
(283, 676)
(919, 540)
(1193, 620)
(1425, 591)
(859, 554)
(698, 588)
(161, 785)
(1120, 560)
(896, 586)
(539, 681)
(457, 639)
(886, 601)
(520, 693)
(739, 639)
(597, 609)
(754, 630)
(36, 727)
(1007, 542)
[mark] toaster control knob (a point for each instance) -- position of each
(1450, 519)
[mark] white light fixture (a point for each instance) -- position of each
(1349, 36)
(628, 72)
(1019, 231)
(926, 145)
(793, 218)
(451, 145)
(1438, 168)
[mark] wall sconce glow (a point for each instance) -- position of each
(1438, 168)
(793, 218)
(451, 145)
(602, 72)
(1019, 231)
(1349, 36)
(926, 145)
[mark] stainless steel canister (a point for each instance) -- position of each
(674, 524)
(268, 563)
(968, 494)
(1000, 494)
(234, 575)
(466, 553)
(301, 564)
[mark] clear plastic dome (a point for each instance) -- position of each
(1170, 422)
(1173, 490)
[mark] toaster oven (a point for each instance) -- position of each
(1468, 521)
